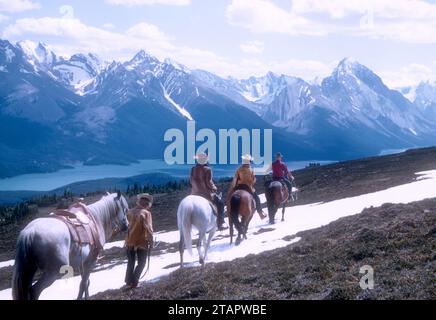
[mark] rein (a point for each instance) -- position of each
(148, 261)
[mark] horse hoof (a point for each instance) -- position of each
(272, 222)
(283, 220)
(202, 262)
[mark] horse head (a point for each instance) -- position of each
(119, 219)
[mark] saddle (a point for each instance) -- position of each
(81, 224)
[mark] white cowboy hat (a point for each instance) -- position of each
(145, 196)
(246, 159)
(202, 158)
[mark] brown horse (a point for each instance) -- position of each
(276, 196)
(241, 204)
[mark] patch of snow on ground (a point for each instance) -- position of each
(261, 236)
(5, 264)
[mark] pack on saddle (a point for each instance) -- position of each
(81, 224)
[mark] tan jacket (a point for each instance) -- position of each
(201, 182)
(140, 233)
(244, 175)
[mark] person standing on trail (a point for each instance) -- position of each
(280, 172)
(139, 238)
(244, 180)
(202, 185)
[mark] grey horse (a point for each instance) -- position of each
(195, 211)
(45, 244)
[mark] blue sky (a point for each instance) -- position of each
(306, 38)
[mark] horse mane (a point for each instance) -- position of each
(104, 208)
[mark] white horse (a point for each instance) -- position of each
(195, 211)
(46, 244)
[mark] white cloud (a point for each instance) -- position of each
(405, 9)
(411, 21)
(109, 26)
(18, 5)
(262, 16)
(252, 47)
(409, 75)
(3, 18)
(133, 3)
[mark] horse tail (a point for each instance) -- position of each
(235, 203)
(185, 227)
(24, 270)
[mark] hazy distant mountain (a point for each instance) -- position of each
(425, 99)
(56, 111)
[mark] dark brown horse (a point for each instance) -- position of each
(241, 204)
(276, 196)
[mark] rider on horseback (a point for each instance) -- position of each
(280, 172)
(203, 185)
(139, 238)
(244, 180)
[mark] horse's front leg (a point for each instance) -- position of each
(86, 272)
(84, 285)
(283, 212)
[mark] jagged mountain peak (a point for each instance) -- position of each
(347, 67)
(143, 56)
(38, 52)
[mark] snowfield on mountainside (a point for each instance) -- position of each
(261, 237)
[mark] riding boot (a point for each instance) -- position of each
(258, 206)
(220, 214)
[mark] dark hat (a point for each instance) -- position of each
(278, 154)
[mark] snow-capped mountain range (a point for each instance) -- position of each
(105, 109)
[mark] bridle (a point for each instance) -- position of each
(116, 224)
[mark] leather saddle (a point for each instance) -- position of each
(81, 224)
